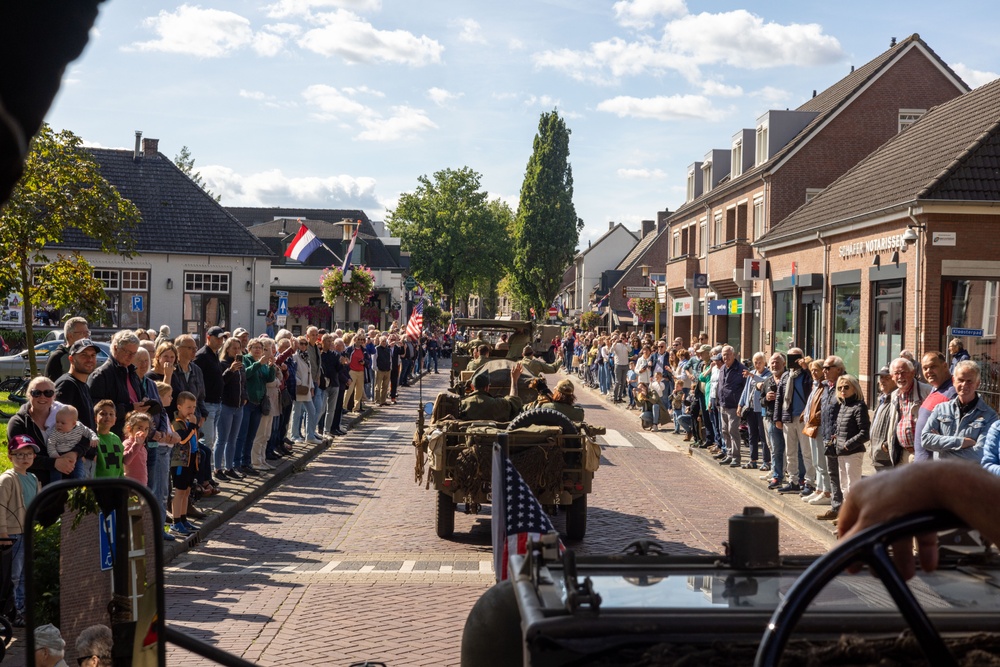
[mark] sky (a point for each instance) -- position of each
(345, 103)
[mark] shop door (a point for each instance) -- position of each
(204, 311)
(889, 321)
(811, 324)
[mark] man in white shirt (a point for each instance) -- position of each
(621, 352)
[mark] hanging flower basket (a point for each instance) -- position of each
(642, 307)
(358, 290)
(310, 313)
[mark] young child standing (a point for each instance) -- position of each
(184, 461)
(110, 453)
(164, 439)
(64, 435)
(18, 488)
(137, 430)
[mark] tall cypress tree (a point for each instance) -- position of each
(546, 230)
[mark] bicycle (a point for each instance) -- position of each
(13, 394)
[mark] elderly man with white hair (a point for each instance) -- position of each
(958, 428)
(117, 381)
(49, 647)
(730, 389)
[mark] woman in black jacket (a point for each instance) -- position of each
(234, 396)
(853, 429)
(329, 361)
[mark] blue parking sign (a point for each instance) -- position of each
(106, 529)
(137, 303)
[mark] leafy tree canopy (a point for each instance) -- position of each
(456, 238)
(61, 190)
(546, 229)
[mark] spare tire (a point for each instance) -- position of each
(543, 417)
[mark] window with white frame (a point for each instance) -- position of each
(127, 302)
(736, 165)
(215, 283)
(719, 232)
(676, 250)
(812, 193)
(908, 117)
(690, 186)
(758, 218)
(761, 156)
(706, 177)
(990, 303)
(703, 236)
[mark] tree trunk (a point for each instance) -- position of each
(28, 313)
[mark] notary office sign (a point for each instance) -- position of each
(872, 246)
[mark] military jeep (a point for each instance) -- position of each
(519, 333)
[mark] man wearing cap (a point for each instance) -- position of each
(536, 366)
(480, 405)
(563, 399)
(694, 370)
(75, 329)
(244, 337)
(207, 359)
(882, 440)
(49, 647)
(72, 388)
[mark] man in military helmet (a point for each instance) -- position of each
(480, 405)
(535, 365)
(481, 356)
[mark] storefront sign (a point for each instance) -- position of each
(753, 269)
(683, 307)
(736, 306)
(861, 248)
(661, 294)
(944, 238)
(718, 307)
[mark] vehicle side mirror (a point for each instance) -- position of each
(93, 555)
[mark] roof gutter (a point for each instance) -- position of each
(843, 225)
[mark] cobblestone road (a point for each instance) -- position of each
(341, 563)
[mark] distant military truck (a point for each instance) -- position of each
(519, 333)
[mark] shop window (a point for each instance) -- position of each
(206, 302)
(127, 304)
(783, 332)
(847, 325)
(216, 283)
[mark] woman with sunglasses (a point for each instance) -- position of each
(33, 419)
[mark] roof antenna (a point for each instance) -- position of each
(892, 42)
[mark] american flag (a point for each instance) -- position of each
(518, 517)
(416, 322)
(350, 248)
(452, 329)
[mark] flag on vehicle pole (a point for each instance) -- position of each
(304, 244)
(452, 329)
(350, 249)
(416, 322)
(517, 516)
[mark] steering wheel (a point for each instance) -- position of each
(870, 547)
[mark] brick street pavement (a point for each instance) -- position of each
(340, 562)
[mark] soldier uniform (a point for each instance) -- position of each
(537, 366)
(480, 405)
(574, 412)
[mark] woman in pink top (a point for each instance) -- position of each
(137, 428)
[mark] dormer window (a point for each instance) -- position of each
(736, 165)
(908, 117)
(706, 177)
(690, 186)
(762, 156)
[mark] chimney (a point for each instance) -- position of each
(814, 92)
(892, 42)
(852, 69)
(647, 227)
(611, 225)
(138, 145)
(150, 147)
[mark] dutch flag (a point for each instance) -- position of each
(303, 245)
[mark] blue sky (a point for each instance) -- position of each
(344, 103)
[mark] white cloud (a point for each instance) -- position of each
(772, 97)
(363, 90)
(640, 13)
(973, 77)
(268, 44)
(719, 89)
(440, 96)
(738, 38)
(662, 107)
(644, 174)
(265, 99)
(470, 31)
(346, 35)
(284, 29)
(272, 188)
(403, 124)
(545, 101)
(208, 33)
(332, 104)
(505, 96)
(515, 44)
(284, 8)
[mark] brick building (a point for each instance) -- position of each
(736, 195)
(900, 250)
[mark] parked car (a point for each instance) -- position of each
(16, 365)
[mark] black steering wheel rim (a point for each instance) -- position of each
(870, 547)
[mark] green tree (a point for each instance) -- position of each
(546, 229)
(61, 189)
(456, 238)
(185, 163)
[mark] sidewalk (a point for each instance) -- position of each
(788, 507)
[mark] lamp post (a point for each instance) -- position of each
(645, 280)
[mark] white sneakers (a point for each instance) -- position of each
(819, 498)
